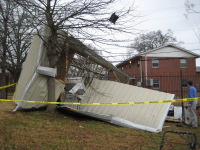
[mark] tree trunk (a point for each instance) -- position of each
(51, 95)
(3, 83)
(3, 73)
(4, 57)
(16, 75)
(52, 45)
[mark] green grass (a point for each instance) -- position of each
(57, 131)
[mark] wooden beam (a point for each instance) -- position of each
(78, 47)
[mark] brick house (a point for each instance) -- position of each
(164, 69)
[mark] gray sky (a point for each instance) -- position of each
(168, 14)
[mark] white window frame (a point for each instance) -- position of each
(183, 63)
(156, 82)
(155, 63)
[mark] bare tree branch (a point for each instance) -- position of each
(152, 40)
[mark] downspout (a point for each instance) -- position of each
(141, 70)
(146, 73)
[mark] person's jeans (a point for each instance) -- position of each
(193, 116)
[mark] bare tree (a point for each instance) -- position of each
(6, 10)
(21, 28)
(85, 19)
(192, 9)
(152, 40)
(16, 34)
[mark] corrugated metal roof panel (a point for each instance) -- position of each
(146, 115)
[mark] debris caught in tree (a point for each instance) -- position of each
(113, 18)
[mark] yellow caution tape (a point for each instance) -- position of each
(123, 103)
(3, 87)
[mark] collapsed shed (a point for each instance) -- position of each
(32, 84)
(83, 67)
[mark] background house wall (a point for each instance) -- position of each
(171, 77)
(168, 65)
(169, 51)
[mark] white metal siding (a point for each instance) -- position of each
(32, 85)
(169, 52)
(148, 115)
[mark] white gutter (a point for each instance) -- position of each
(146, 73)
(140, 70)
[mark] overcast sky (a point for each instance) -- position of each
(169, 14)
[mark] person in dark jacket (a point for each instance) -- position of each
(192, 93)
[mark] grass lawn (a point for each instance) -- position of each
(39, 130)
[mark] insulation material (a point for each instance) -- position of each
(31, 84)
(149, 117)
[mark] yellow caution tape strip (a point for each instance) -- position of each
(124, 103)
(3, 87)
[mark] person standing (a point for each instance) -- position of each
(192, 93)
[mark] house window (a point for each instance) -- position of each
(183, 63)
(122, 68)
(155, 63)
(156, 83)
(184, 82)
